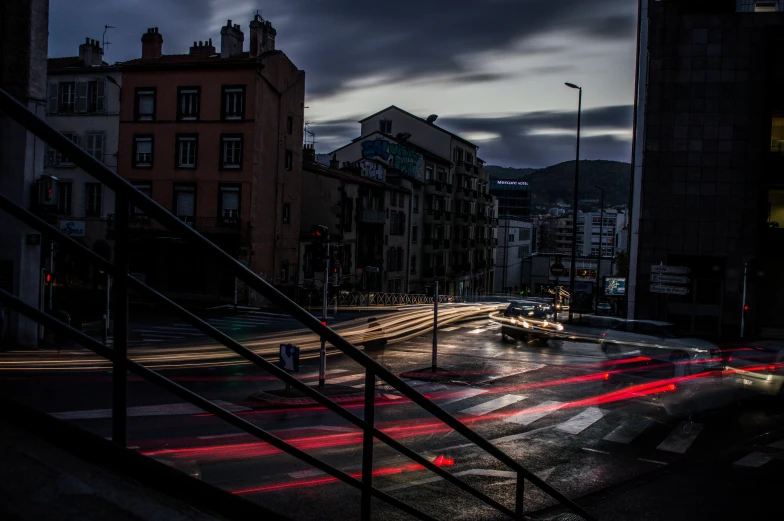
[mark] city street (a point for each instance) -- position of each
(548, 406)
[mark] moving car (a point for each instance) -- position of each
(757, 369)
(529, 321)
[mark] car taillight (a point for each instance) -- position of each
(604, 335)
(772, 368)
(671, 387)
(606, 376)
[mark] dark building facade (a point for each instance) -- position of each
(514, 197)
(707, 189)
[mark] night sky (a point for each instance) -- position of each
(493, 70)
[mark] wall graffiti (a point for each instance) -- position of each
(398, 156)
(371, 170)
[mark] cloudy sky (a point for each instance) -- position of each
(493, 70)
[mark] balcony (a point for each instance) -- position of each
(464, 168)
(216, 225)
(371, 216)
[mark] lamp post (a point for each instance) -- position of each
(601, 244)
(573, 267)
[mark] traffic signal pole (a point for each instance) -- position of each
(323, 350)
(743, 305)
(435, 326)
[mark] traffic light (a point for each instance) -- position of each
(319, 233)
(47, 186)
(337, 258)
(319, 256)
(746, 307)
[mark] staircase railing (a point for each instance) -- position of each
(127, 195)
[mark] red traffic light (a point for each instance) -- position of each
(746, 307)
(323, 322)
(48, 278)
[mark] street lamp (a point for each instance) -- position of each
(601, 243)
(574, 208)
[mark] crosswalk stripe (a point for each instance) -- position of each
(534, 413)
(582, 421)
(493, 405)
(627, 431)
(526, 367)
(341, 379)
(681, 438)
(462, 394)
(488, 472)
(449, 328)
(171, 409)
(755, 459)
(476, 331)
(777, 444)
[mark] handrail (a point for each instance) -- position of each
(129, 194)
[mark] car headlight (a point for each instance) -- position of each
(526, 324)
(559, 327)
(545, 324)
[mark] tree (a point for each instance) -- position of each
(621, 263)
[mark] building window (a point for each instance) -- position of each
(416, 204)
(290, 125)
(142, 151)
(458, 155)
(186, 151)
(286, 213)
(289, 160)
(393, 199)
(231, 151)
(385, 126)
(765, 7)
(56, 158)
(93, 197)
(145, 104)
(96, 96)
(95, 145)
(64, 198)
(233, 107)
(414, 234)
(146, 189)
(185, 201)
(469, 158)
(188, 105)
(511, 237)
(66, 96)
(428, 172)
(230, 203)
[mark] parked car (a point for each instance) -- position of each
(604, 308)
(757, 369)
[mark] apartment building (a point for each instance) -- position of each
(453, 225)
(514, 246)
(589, 227)
(216, 136)
(83, 103)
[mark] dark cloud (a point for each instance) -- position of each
(518, 143)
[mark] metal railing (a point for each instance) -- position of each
(127, 195)
(392, 299)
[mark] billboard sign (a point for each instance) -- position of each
(615, 286)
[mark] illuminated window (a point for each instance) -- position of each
(775, 208)
(777, 134)
(768, 6)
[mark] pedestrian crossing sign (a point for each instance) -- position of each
(289, 358)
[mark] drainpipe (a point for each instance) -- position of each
(408, 250)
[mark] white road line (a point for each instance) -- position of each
(681, 438)
(755, 459)
(777, 444)
(652, 461)
(341, 379)
(171, 409)
(488, 472)
(448, 328)
(476, 331)
(627, 431)
(582, 421)
(595, 450)
(493, 405)
(524, 369)
(530, 415)
(460, 395)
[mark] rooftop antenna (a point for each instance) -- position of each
(104, 43)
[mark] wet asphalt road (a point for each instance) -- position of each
(546, 406)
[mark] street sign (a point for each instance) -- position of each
(289, 358)
(670, 270)
(72, 228)
(669, 279)
(669, 290)
(557, 269)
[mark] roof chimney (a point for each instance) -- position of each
(309, 153)
(268, 34)
(232, 39)
(203, 48)
(90, 53)
(333, 162)
(152, 43)
(256, 35)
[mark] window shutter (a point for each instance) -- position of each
(100, 96)
(402, 223)
(50, 156)
(53, 98)
(81, 96)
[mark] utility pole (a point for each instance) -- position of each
(743, 305)
(573, 267)
(323, 350)
(601, 246)
(435, 326)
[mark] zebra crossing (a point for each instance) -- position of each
(227, 324)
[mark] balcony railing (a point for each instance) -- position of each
(222, 225)
(372, 216)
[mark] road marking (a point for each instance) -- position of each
(461, 395)
(341, 379)
(476, 331)
(171, 409)
(487, 472)
(493, 405)
(652, 461)
(777, 444)
(526, 368)
(530, 415)
(315, 374)
(681, 437)
(448, 328)
(595, 450)
(582, 421)
(627, 431)
(755, 459)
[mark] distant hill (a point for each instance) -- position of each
(506, 173)
(555, 182)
